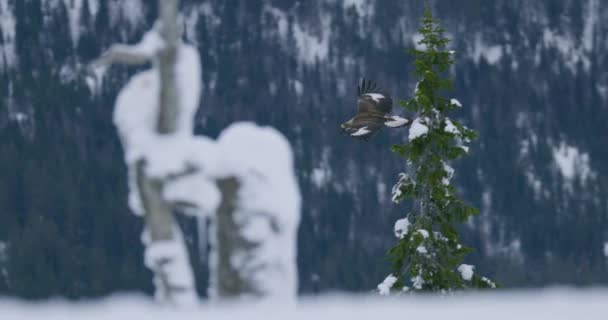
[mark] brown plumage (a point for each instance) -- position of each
(374, 107)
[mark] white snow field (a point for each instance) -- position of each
(553, 304)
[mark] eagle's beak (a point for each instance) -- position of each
(343, 128)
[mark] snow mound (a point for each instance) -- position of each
(385, 287)
(169, 256)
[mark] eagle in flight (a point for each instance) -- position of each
(374, 108)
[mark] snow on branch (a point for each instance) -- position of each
(137, 106)
(136, 116)
(144, 51)
(172, 278)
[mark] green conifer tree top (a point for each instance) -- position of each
(428, 255)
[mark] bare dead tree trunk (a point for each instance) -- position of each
(159, 218)
(169, 111)
(230, 281)
(166, 253)
(160, 221)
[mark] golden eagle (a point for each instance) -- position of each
(374, 108)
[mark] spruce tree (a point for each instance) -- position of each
(428, 255)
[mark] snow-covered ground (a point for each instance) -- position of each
(554, 304)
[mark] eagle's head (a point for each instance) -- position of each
(347, 126)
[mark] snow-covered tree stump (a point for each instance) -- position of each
(254, 249)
